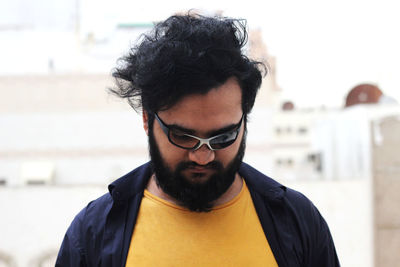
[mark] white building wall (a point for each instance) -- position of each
(83, 147)
(34, 219)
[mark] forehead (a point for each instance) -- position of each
(217, 108)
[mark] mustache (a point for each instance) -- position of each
(214, 165)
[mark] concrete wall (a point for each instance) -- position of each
(82, 147)
(34, 220)
(57, 93)
(386, 185)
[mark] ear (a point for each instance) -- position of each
(145, 122)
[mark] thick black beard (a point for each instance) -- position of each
(194, 196)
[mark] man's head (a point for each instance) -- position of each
(193, 82)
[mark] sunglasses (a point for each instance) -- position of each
(191, 142)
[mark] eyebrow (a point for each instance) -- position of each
(227, 128)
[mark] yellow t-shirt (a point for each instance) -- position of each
(229, 235)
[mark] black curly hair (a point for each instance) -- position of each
(184, 55)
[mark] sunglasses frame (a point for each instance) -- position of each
(166, 129)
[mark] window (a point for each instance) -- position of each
(303, 130)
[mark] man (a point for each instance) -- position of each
(195, 203)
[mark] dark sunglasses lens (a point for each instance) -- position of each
(222, 145)
(224, 140)
(182, 140)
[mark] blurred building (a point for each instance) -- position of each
(385, 190)
(66, 129)
(321, 143)
(269, 95)
(292, 143)
(363, 94)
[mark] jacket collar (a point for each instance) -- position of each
(130, 184)
(136, 181)
(261, 183)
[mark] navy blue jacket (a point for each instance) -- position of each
(100, 234)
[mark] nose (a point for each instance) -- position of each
(202, 155)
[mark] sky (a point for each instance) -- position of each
(322, 48)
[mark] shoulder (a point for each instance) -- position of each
(271, 190)
(287, 207)
(297, 221)
(88, 224)
(88, 227)
(280, 199)
(120, 191)
(94, 214)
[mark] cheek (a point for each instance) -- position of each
(171, 154)
(224, 156)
